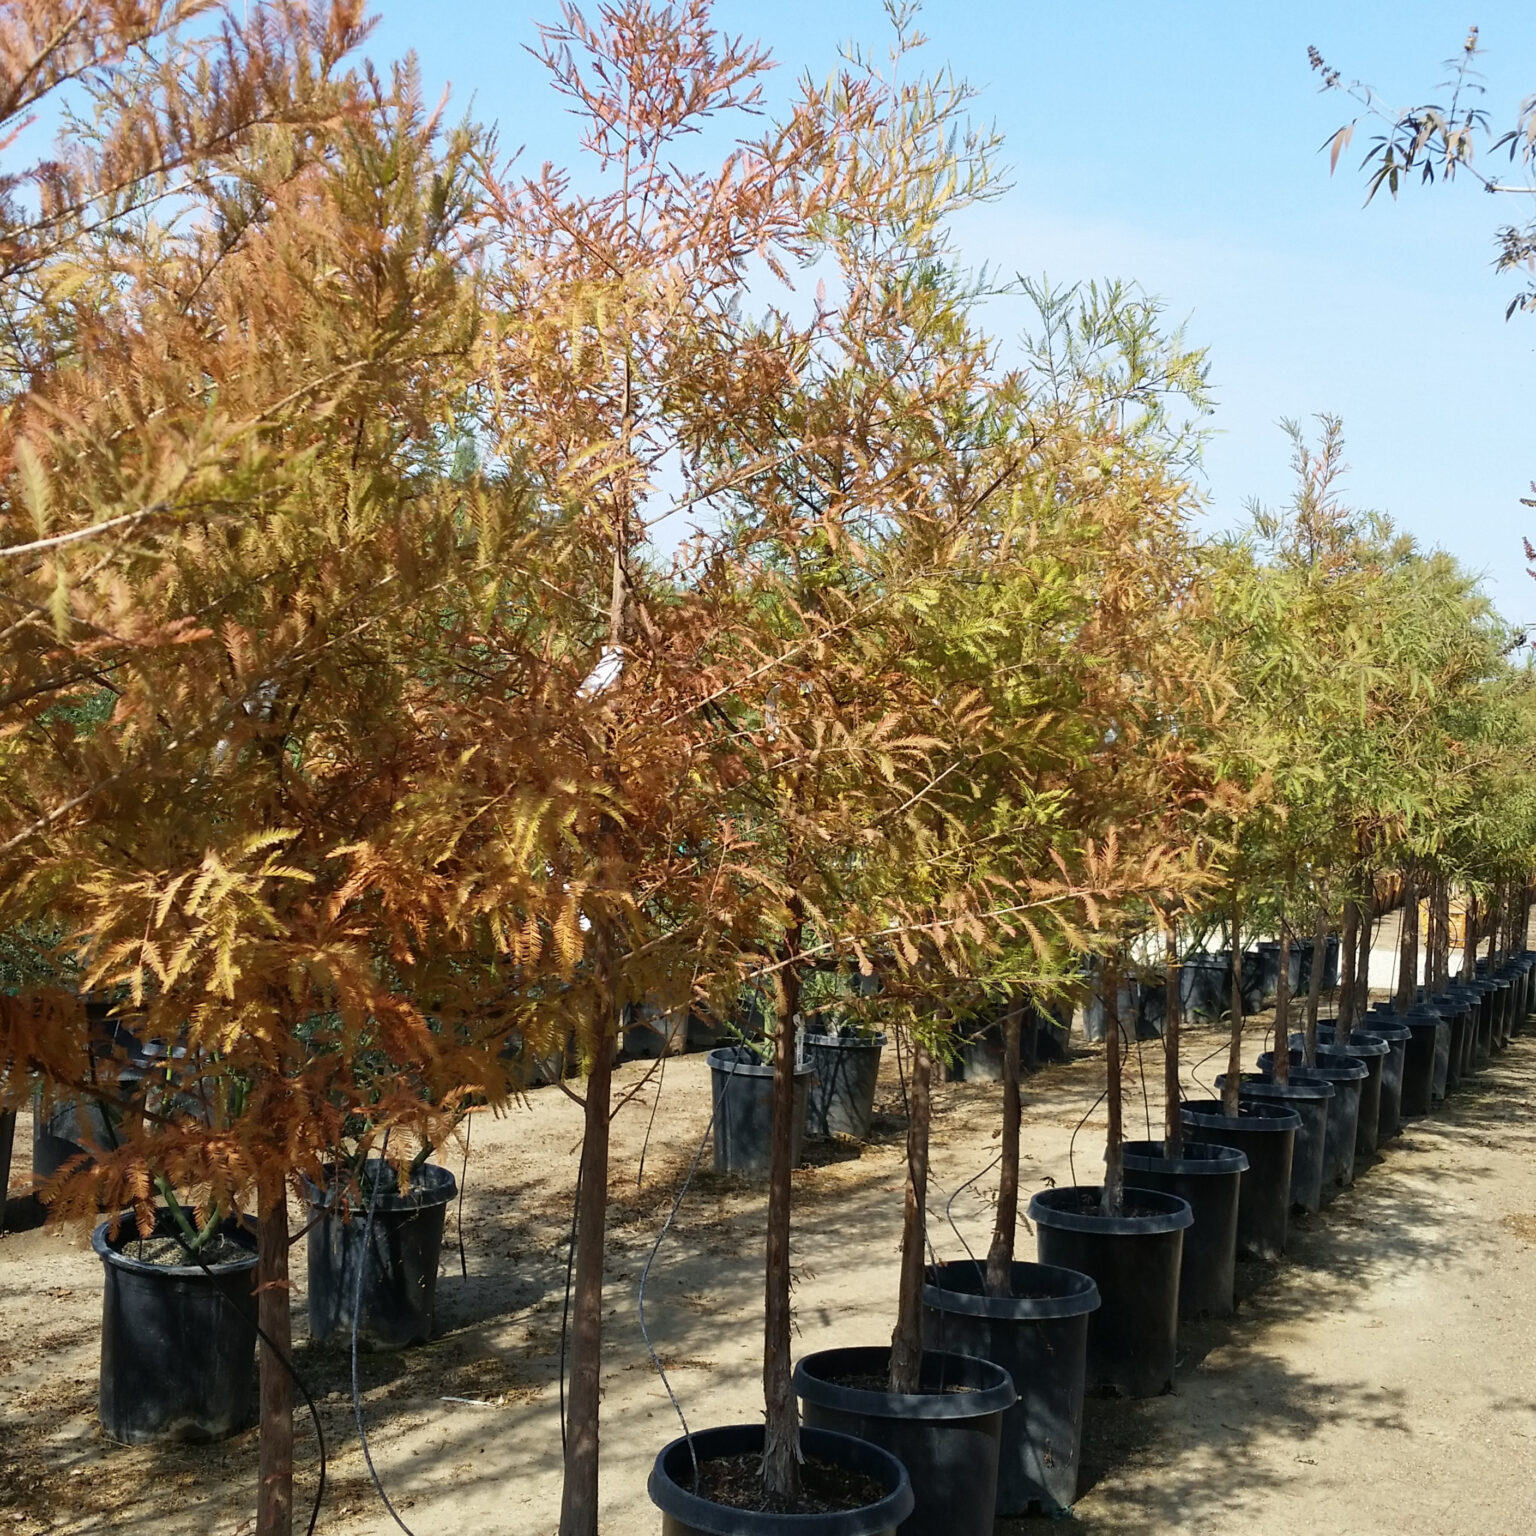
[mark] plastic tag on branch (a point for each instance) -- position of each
(609, 668)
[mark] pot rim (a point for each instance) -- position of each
(1357, 1044)
(995, 1394)
(754, 1068)
(1225, 1161)
(1349, 1069)
(874, 1042)
(1258, 1119)
(1175, 1216)
(1262, 1088)
(1079, 1293)
(431, 1184)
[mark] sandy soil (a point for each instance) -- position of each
(1377, 1380)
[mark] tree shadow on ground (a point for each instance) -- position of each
(1185, 1461)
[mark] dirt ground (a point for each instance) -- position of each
(1378, 1380)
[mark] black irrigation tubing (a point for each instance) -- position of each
(1072, 1144)
(645, 1275)
(281, 1355)
(357, 1317)
(570, 1265)
(1194, 1071)
(458, 1220)
(949, 1205)
(645, 1145)
(1146, 1103)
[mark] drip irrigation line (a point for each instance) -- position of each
(570, 1266)
(645, 1145)
(357, 1317)
(949, 1205)
(1072, 1144)
(1141, 1069)
(645, 1275)
(458, 1220)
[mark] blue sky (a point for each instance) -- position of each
(1177, 145)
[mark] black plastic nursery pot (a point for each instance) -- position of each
(178, 1343)
(1210, 1178)
(1385, 1025)
(1458, 1008)
(1039, 1335)
(66, 1130)
(1511, 973)
(1424, 1025)
(742, 1085)
(1491, 1036)
(651, 1031)
(686, 1513)
(948, 1435)
(1480, 1044)
(1373, 1053)
(1310, 1100)
(1346, 1075)
(1440, 1077)
(1265, 1133)
(1135, 1261)
(1521, 966)
(1444, 1011)
(841, 1099)
(1203, 987)
(978, 1056)
(1528, 1003)
(398, 1267)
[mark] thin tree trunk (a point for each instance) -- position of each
(1283, 1007)
(1000, 1254)
(907, 1336)
(1112, 1199)
(578, 1494)
(1315, 986)
(781, 1438)
(1408, 952)
(1432, 937)
(1173, 1096)
(1469, 946)
(1367, 936)
(274, 1496)
(1349, 946)
(1233, 1080)
(1443, 944)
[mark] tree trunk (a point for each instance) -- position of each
(1408, 952)
(578, 1493)
(274, 1467)
(1367, 935)
(1112, 1200)
(1235, 1047)
(1315, 986)
(1283, 1008)
(1349, 947)
(907, 1336)
(1005, 1227)
(1431, 937)
(1173, 1097)
(781, 1429)
(1469, 947)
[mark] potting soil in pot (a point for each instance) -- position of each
(825, 1488)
